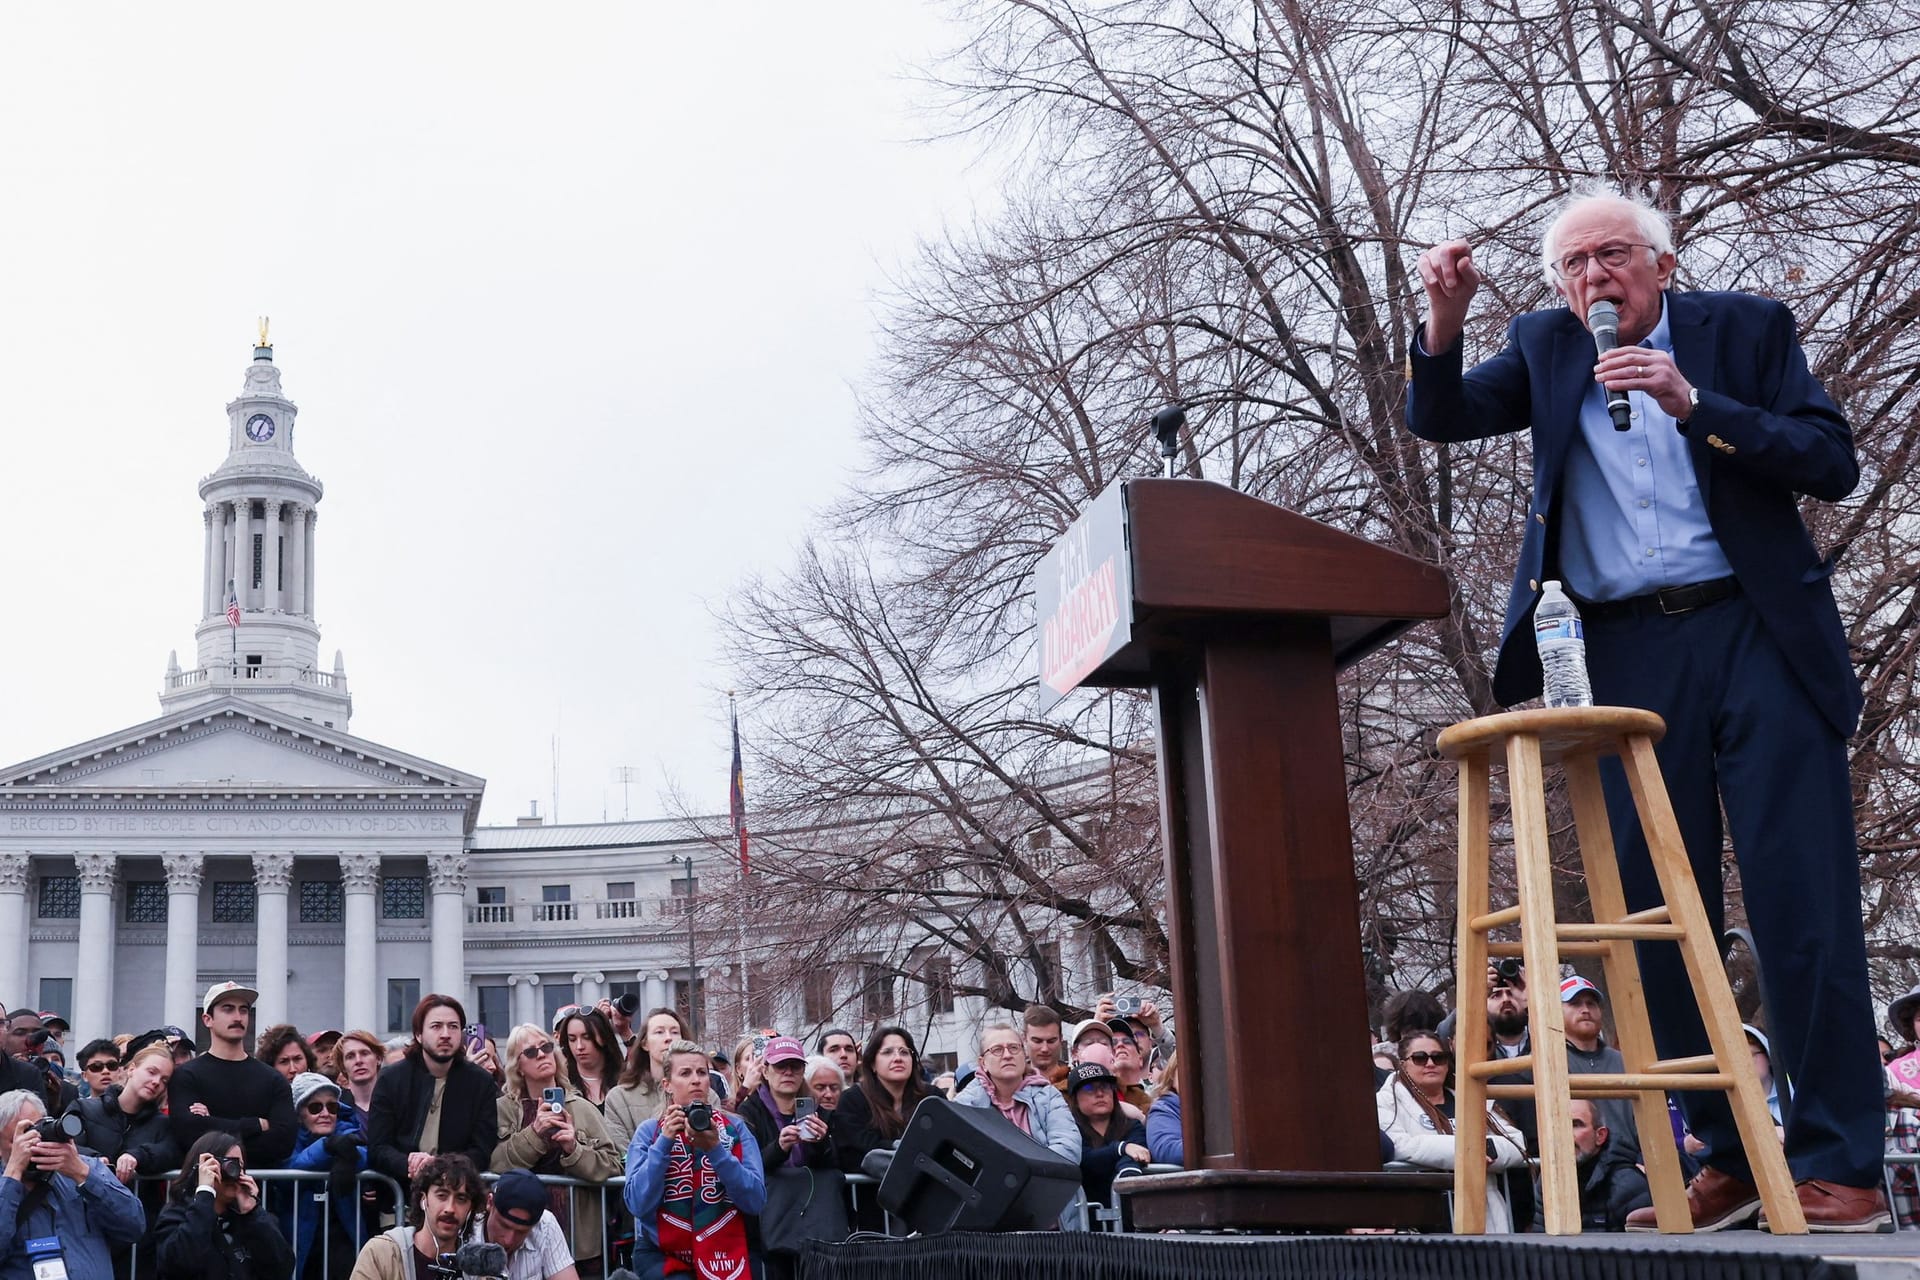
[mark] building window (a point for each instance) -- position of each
(1046, 971)
(403, 897)
(937, 976)
(939, 1064)
(685, 894)
(280, 562)
(321, 902)
(617, 889)
(876, 992)
(558, 995)
(56, 996)
(256, 559)
(1099, 964)
(556, 893)
(492, 895)
(402, 995)
(817, 995)
(760, 984)
(146, 902)
(59, 897)
(233, 902)
(496, 1005)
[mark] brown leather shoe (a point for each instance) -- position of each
(1831, 1207)
(1717, 1201)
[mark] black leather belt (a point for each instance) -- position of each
(1666, 601)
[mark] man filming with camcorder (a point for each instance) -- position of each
(60, 1212)
(443, 1203)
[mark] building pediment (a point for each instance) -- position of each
(233, 746)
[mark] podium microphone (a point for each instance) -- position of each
(1166, 428)
(1604, 320)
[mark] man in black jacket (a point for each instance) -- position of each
(1611, 1184)
(433, 1101)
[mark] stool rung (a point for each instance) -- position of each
(1565, 949)
(1620, 1086)
(1495, 919)
(1620, 932)
(1705, 1062)
(1501, 1066)
(1652, 915)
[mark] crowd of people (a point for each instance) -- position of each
(141, 1159)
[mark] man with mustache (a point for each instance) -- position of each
(228, 1090)
(442, 1200)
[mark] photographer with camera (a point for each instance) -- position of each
(619, 1015)
(24, 1039)
(693, 1179)
(443, 1201)
(213, 1227)
(48, 1190)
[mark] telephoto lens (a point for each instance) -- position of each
(628, 1005)
(699, 1117)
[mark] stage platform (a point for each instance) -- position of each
(1734, 1255)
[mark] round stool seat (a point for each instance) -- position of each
(1562, 731)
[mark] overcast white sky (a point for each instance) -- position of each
(570, 297)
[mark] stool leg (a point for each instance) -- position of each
(1470, 1026)
(1533, 867)
(1700, 950)
(1661, 1157)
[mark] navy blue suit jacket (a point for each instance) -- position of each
(1764, 432)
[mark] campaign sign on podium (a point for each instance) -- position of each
(1083, 596)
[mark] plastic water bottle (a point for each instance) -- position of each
(1563, 648)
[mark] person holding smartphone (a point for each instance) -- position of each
(547, 1126)
(783, 1115)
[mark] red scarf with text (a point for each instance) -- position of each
(700, 1231)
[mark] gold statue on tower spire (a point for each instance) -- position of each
(263, 333)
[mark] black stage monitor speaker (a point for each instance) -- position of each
(966, 1169)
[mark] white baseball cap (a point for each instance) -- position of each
(224, 991)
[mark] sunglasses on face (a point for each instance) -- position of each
(101, 1066)
(536, 1051)
(323, 1108)
(1420, 1057)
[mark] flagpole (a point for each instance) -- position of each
(737, 808)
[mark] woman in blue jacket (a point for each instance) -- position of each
(329, 1144)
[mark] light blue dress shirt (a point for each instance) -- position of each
(1631, 516)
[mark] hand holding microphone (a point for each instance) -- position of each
(1623, 369)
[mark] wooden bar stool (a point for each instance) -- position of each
(1576, 738)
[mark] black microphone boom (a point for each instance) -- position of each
(1604, 320)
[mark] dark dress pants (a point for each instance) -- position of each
(1742, 731)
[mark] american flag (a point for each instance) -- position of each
(737, 793)
(233, 605)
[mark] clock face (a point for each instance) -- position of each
(260, 427)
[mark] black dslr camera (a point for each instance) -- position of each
(699, 1117)
(1512, 972)
(232, 1168)
(61, 1129)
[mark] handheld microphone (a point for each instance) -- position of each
(1604, 320)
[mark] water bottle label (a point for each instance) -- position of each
(1545, 629)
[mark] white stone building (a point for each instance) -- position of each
(245, 833)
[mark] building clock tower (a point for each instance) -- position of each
(258, 564)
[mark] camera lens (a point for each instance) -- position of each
(628, 1004)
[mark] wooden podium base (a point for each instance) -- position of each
(1264, 1200)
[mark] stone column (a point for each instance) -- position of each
(313, 531)
(447, 877)
(360, 881)
(15, 870)
(270, 557)
(235, 532)
(180, 997)
(588, 987)
(297, 557)
(93, 977)
(653, 993)
(524, 1001)
(207, 605)
(272, 877)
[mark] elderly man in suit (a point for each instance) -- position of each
(1706, 601)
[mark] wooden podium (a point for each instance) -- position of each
(1238, 614)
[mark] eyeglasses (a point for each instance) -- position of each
(537, 1050)
(1420, 1057)
(102, 1065)
(1610, 256)
(1000, 1051)
(323, 1108)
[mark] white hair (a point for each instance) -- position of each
(13, 1102)
(992, 1027)
(821, 1062)
(1653, 225)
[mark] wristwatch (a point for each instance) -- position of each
(1693, 404)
